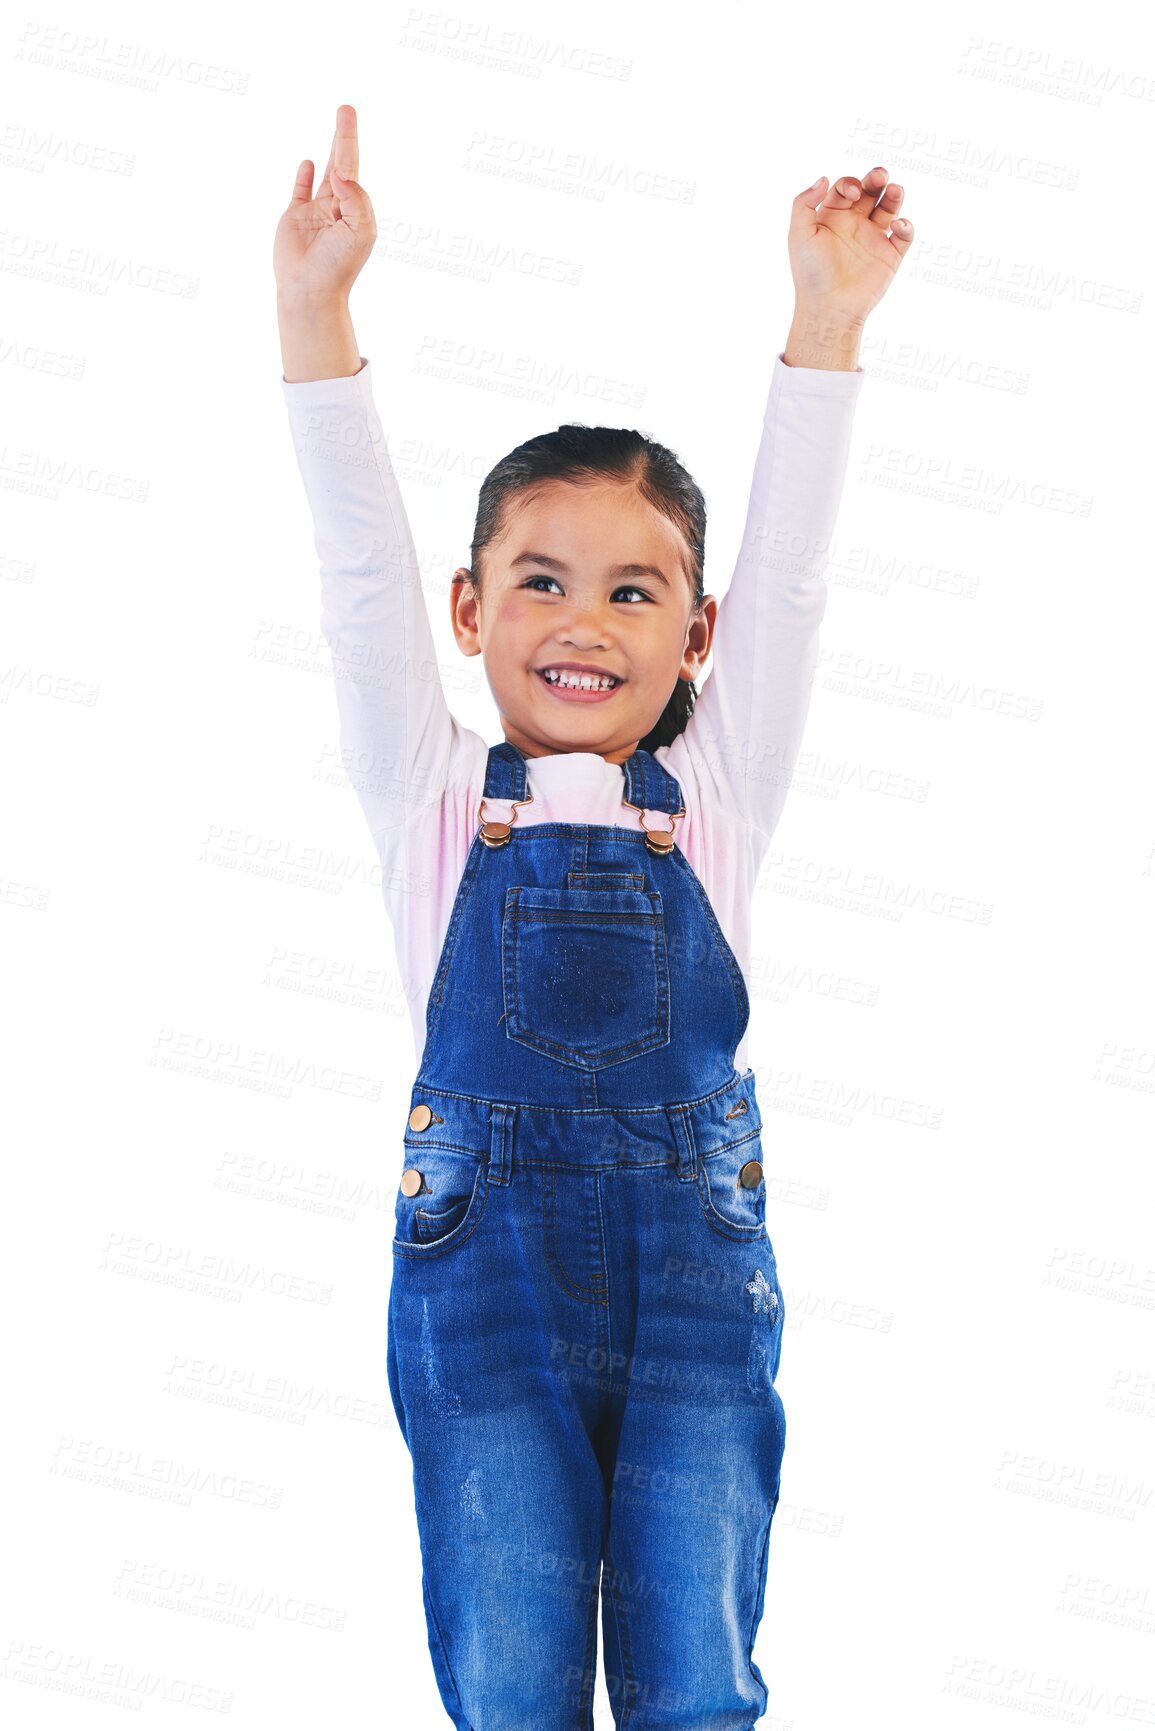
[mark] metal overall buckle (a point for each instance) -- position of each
(659, 841)
(494, 833)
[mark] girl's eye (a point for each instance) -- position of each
(626, 588)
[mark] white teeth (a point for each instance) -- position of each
(580, 681)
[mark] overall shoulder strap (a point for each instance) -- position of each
(505, 774)
(646, 784)
(649, 786)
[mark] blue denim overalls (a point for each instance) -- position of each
(585, 1318)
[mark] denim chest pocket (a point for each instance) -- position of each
(585, 974)
(440, 1199)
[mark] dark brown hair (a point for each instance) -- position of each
(579, 453)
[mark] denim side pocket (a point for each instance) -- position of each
(440, 1199)
(733, 1206)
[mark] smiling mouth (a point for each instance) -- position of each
(566, 679)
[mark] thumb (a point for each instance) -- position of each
(349, 195)
(807, 202)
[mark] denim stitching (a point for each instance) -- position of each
(603, 1262)
(589, 1667)
(732, 1142)
(571, 1111)
(440, 1142)
(553, 1259)
(629, 1674)
(759, 1600)
(472, 863)
(575, 879)
(427, 1218)
(441, 1643)
(741, 994)
(561, 915)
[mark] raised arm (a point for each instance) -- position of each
(396, 732)
(747, 726)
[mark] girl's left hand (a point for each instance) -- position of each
(841, 255)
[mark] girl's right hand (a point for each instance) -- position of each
(322, 242)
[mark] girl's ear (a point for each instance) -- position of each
(463, 604)
(700, 636)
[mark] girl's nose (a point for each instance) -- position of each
(587, 627)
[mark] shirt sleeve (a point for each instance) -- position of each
(399, 740)
(746, 728)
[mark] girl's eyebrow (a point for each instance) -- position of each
(616, 571)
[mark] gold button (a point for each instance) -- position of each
(421, 1117)
(751, 1174)
(411, 1181)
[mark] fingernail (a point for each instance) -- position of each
(849, 189)
(818, 182)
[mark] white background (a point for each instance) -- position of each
(206, 1044)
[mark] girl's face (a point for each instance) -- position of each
(591, 575)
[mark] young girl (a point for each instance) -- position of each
(585, 1317)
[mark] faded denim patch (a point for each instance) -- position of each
(765, 1336)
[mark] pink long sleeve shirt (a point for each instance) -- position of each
(419, 774)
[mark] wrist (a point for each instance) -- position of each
(813, 306)
(317, 339)
(309, 304)
(823, 335)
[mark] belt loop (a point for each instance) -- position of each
(501, 1122)
(682, 1131)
